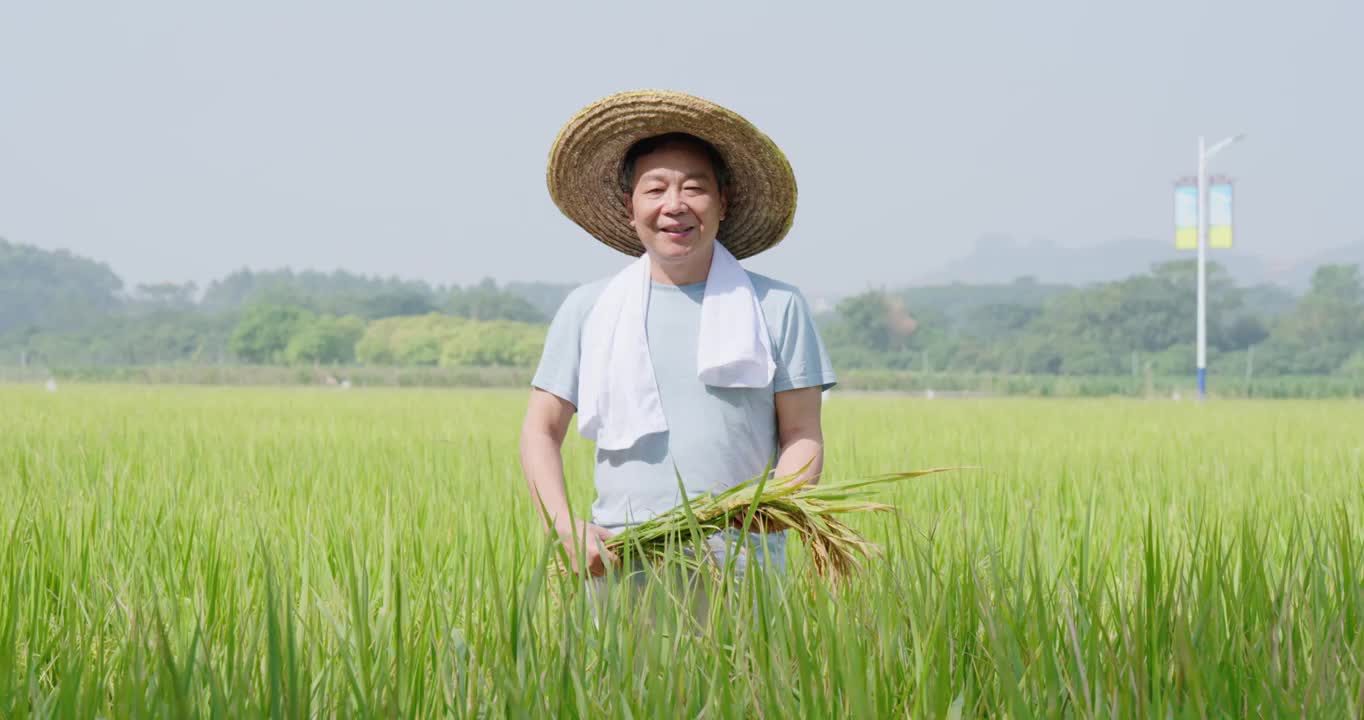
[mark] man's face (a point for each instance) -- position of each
(676, 206)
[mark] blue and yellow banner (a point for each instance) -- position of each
(1219, 216)
(1186, 216)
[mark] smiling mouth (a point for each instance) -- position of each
(679, 231)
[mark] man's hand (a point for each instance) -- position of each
(800, 452)
(800, 436)
(592, 539)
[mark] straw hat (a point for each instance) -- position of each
(585, 165)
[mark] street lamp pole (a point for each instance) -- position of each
(1205, 154)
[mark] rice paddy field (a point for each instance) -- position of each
(177, 552)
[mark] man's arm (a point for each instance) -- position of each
(542, 439)
(800, 434)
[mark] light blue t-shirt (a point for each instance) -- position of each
(717, 437)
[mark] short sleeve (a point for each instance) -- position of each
(557, 373)
(801, 358)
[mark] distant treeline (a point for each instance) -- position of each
(1138, 325)
(61, 310)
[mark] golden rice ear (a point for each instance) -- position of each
(583, 172)
(812, 512)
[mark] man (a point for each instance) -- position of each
(682, 364)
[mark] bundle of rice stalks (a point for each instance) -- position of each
(810, 511)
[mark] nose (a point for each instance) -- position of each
(672, 202)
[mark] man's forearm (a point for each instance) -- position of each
(543, 466)
(796, 454)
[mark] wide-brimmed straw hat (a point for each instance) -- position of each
(585, 167)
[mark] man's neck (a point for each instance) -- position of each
(688, 274)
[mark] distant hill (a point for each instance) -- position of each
(546, 297)
(1299, 275)
(337, 293)
(52, 289)
(958, 301)
(998, 259)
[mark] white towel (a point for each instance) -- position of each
(618, 400)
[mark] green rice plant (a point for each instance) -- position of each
(235, 552)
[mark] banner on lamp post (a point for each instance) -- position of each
(1186, 214)
(1219, 215)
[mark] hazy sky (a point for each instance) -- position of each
(178, 141)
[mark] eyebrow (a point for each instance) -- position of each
(689, 176)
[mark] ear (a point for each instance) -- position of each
(629, 208)
(724, 205)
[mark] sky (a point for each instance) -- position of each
(180, 141)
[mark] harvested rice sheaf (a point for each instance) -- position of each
(811, 511)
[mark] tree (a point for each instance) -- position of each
(1332, 311)
(397, 303)
(338, 293)
(545, 297)
(875, 321)
(325, 340)
(1267, 301)
(499, 342)
(265, 331)
(1144, 313)
(485, 302)
(961, 302)
(449, 341)
(1324, 329)
(1243, 332)
(998, 321)
(167, 295)
(415, 340)
(156, 337)
(53, 290)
